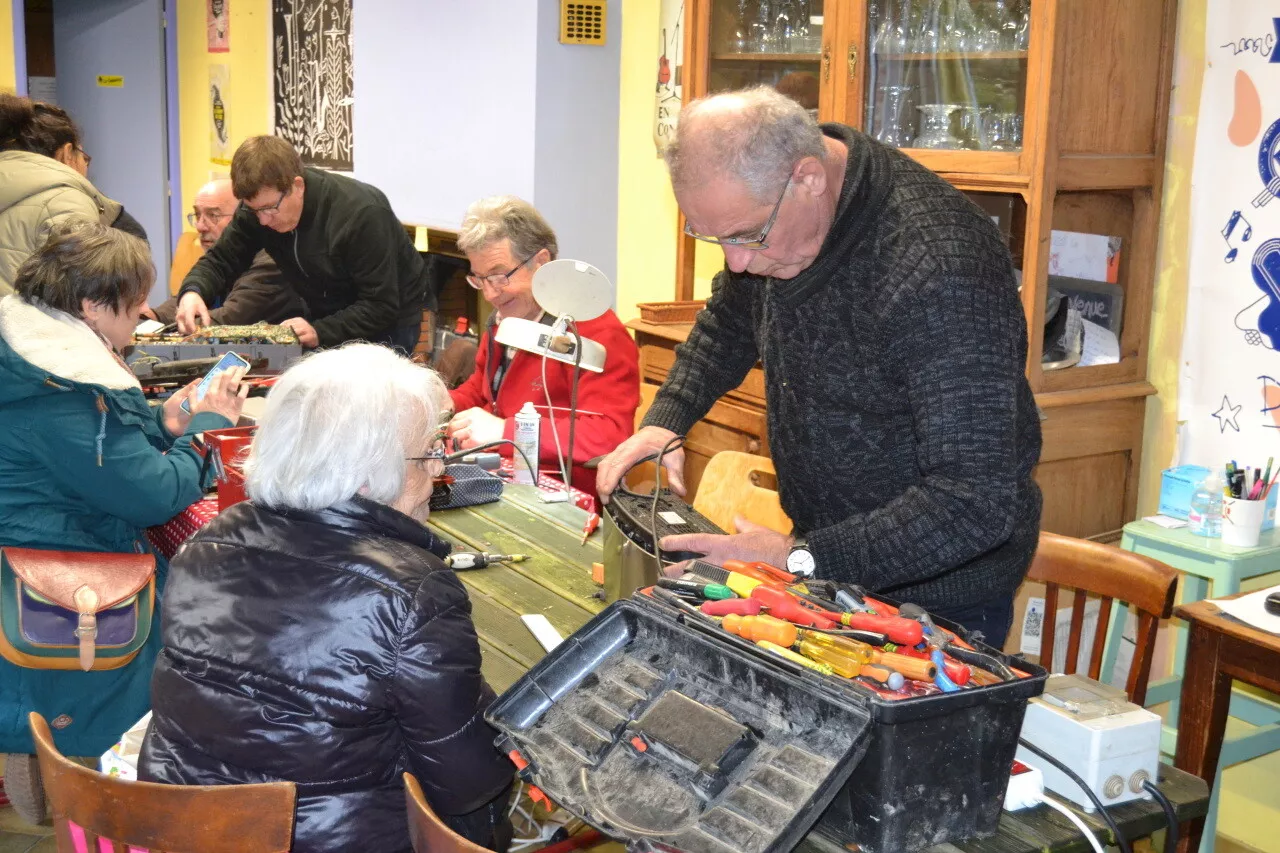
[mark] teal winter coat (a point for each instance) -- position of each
(85, 465)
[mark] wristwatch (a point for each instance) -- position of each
(800, 559)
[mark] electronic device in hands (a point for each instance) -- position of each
(633, 515)
(228, 361)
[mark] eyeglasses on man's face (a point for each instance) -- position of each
(500, 280)
(269, 210)
(756, 242)
(213, 217)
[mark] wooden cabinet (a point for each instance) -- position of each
(1051, 114)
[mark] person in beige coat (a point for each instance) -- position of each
(43, 182)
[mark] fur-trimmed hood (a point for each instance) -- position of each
(46, 351)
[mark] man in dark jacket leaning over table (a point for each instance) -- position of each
(336, 241)
(883, 306)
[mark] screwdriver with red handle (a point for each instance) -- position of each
(785, 606)
(896, 628)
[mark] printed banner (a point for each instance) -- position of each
(219, 130)
(218, 16)
(1229, 388)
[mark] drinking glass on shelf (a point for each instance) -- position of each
(1004, 17)
(928, 32)
(740, 40)
(1006, 133)
(935, 129)
(987, 36)
(1022, 35)
(784, 25)
(974, 124)
(893, 117)
(761, 28)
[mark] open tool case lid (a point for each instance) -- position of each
(659, 732)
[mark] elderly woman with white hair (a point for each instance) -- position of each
(313, 633)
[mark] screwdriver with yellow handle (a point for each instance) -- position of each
(847, 665)
(917, 669)
(808, 663)
(843, 661)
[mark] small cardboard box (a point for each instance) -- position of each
(1177, 485)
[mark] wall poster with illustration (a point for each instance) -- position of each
(314, 83)
(1229, 387)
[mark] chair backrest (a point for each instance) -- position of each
(427, 832)
(115, 814)
(728, 489)
(185, 255)
(1110, 574)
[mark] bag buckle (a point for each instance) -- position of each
(87, 627)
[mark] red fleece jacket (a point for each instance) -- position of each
(607, 401)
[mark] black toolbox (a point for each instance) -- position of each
(662, 730)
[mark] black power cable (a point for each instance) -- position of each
(672, 443)
(1071, 774)
(488, 445)
(1171, 818)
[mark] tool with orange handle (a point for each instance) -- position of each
(756, 628)
(955, 670)
(785, 606)
(764, 571)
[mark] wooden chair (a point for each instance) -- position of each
(728, 488)
(1109, 573)
(185, 255)
(427, 832)
(117, 814)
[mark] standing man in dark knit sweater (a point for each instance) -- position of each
(336, 241)
(883, 307)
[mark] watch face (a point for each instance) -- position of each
(800, 562)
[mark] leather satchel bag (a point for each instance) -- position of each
(71, 610)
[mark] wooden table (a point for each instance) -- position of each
(557, 583)
(1219, 649)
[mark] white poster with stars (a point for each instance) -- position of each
(1229, 389)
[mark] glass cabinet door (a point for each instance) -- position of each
(947, 74)
(767, 42)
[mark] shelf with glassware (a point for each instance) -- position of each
(766, 57)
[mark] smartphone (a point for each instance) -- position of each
(228, 361)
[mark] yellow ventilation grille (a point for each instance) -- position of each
(582, 21)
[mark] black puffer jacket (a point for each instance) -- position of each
(335, 650)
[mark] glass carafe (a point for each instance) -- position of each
(893, 128)
(935, 127)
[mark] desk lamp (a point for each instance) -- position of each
(572, 291)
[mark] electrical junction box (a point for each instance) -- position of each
(1093, 728)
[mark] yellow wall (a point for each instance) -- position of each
(646, 208)
(1170, 303)
(248, 96)
(7, 70)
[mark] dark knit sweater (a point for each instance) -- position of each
(901, 424)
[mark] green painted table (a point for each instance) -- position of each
(557, 583)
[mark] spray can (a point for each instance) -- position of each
(528, 427)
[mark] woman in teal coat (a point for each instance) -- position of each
(86, 465)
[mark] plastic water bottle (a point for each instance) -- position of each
(528, 427)
(1206, 508)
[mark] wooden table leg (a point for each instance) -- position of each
(1202, 721)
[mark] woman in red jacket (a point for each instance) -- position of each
(506, 240)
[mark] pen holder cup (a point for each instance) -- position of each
(1242, 521)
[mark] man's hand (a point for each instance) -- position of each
(647, 442)
(305, 331)
(751, 543)
(176, 420)
(475, 426)
(192, 313)
(149, 313)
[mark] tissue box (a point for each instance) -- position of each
(1179, 484)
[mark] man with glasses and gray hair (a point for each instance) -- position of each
(336, 240)
(505, 240)
(883, 307)
(259, 295)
